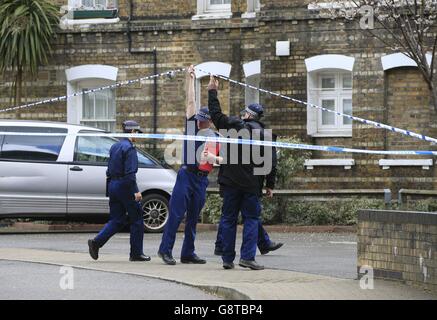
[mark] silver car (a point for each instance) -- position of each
(65, 176)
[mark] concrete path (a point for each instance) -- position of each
(231, 284)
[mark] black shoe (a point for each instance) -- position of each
(139, 258)
(272, 247)
(218, 251)
(93, 249)
(194, 259)
(250, 264)
(228, 265)
(167, 259)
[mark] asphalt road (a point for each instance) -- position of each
(325, 254)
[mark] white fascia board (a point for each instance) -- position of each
(397, 60)
(330, 61)
(214, 67)
(252, 68)
(91, 71)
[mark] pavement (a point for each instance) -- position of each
(34, 281)
(309, 266)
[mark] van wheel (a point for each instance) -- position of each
(155, 212)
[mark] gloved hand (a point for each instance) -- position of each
(208, 157)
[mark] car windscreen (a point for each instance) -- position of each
(31, 148)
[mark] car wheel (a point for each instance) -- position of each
(155, 212)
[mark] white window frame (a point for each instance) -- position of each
(214, 67)
(67, 20)
(87, 122)
(207, 11)
(329, 63)
(211, 8)
(83, 77)
(252, 73)
(253, 7)
(338, 94)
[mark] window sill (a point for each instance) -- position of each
(65, 23)
(346, 163)
(249, 15)
(387, 163)
(332, 134)
(212, 16)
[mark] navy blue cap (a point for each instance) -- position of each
(203, 115)
(255, 109)
(130, 125)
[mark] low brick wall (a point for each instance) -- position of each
(399, 245)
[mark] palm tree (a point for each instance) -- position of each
(26, 28)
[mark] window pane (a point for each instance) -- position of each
(327, 117)
(88, 106)
(347, 109)
(144, 160)
(101, 105)
(33, 129)
(328, 83)
(38, 148)
(347, 81)
(88, 3)
(93, 149)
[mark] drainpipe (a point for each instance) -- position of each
(155, 68)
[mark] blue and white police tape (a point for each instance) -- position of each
(365, 121)
(79, 93)
(277, 144)
(119, 84)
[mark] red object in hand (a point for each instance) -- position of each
(213, 146)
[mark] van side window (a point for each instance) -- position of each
(96, 150)
(36, 148)
(93, 149)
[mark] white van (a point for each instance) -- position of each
(65, 176)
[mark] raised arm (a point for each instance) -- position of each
(220, 120)
(191, 100)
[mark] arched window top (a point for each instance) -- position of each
(398, 60)
(330, 61)
(252, 68)
(91, 71)
(214, 67)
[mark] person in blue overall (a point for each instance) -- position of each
(189, 193)
(265, 245)
(239, 185)
(124, 196)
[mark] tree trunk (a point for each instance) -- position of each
(18, 85)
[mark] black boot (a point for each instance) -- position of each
(272, 247)
(167, 259)
(139, 258)
(93, 249)
(251, 264)
(194, 259)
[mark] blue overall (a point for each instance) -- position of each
(263, 237)
(188, 197)
(234, 201)
(122, 167)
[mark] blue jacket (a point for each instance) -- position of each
(123, 163)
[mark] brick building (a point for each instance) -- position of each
(279, 45)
